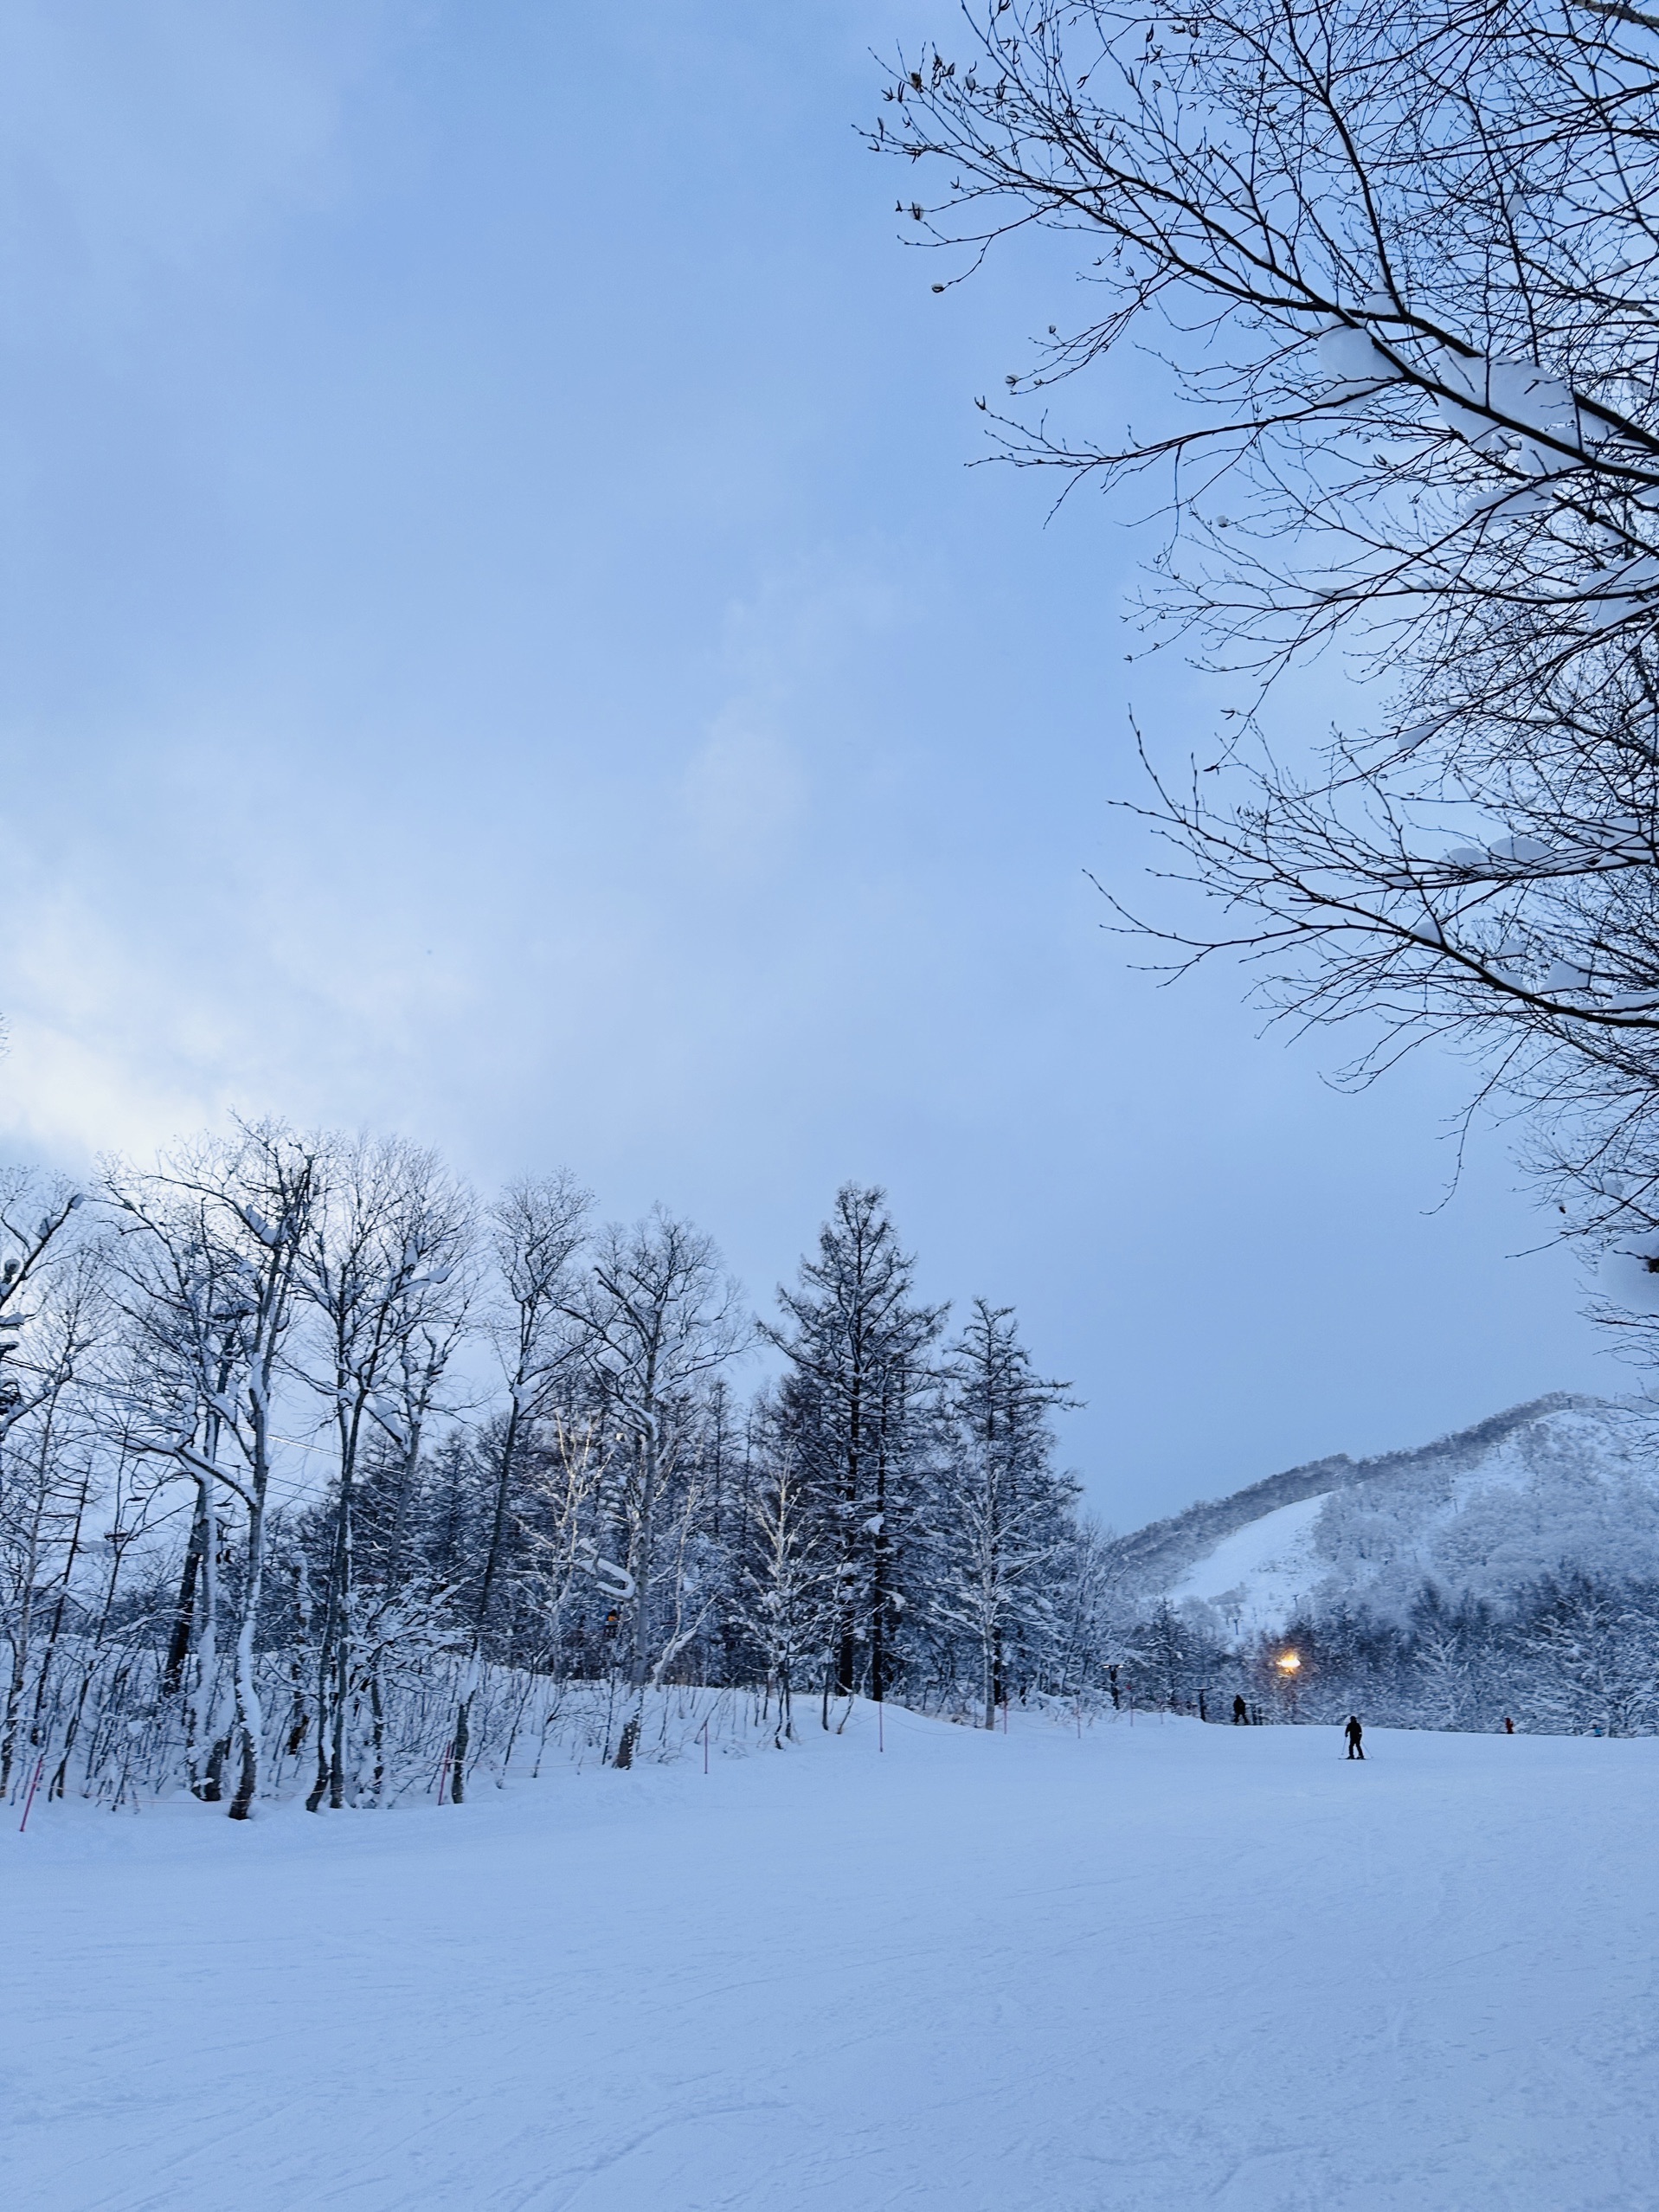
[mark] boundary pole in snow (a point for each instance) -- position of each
(39, 1768)
(881, 1725)
(443, 1771)
(703, 1732)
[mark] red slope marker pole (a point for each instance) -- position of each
(39, 1768)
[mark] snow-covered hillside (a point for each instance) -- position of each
(1562, 1485)
(1140, 1970)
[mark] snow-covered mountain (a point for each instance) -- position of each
(1561, 1483)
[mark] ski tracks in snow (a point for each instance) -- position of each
(1146, 1970)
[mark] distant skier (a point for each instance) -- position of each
(1354, 1732)
(1509, 1725)
(1240, 1713)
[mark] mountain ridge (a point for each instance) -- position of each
(1159, 1555)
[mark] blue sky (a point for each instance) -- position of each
(499, 639)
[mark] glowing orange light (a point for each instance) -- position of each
(1290, 1662)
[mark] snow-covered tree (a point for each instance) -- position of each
(854, 1408)
(782, 1600)
(537, 1227)
(658, 1321)
(210, 1251)
(383, 1270)
(1002, 1519)
(53, 1321)
(1594, 1650)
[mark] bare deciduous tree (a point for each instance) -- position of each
(50, 1321)
(384, 1273)
(659, 1321)
(1398, 265)
(537, 1228)
(786, 1582)
(212, 1245)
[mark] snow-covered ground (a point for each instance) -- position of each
(1165, 1966)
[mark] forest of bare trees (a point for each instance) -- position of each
(319, 1477)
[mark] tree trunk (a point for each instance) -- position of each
(486, 1592)
(332, 1664)
(880, 1583)
(201, 1714)
(178, 1649)
(641, 1565)
(250, 1720)
(628, 1741)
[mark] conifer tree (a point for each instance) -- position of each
(855, 1405)
(1002, 1519)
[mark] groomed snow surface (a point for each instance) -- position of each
(1168, 1965)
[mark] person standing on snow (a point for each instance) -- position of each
(1240, 1713)
(1354, 1732)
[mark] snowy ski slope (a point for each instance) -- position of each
(1165, 1966)
(1259, 1574)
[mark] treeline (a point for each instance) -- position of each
(317, 1473)
(1570, 1654)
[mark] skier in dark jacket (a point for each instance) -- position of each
(1354, 1732)
(1240, 1713)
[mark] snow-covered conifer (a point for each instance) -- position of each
(854, 1406)
(1001, 1518)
